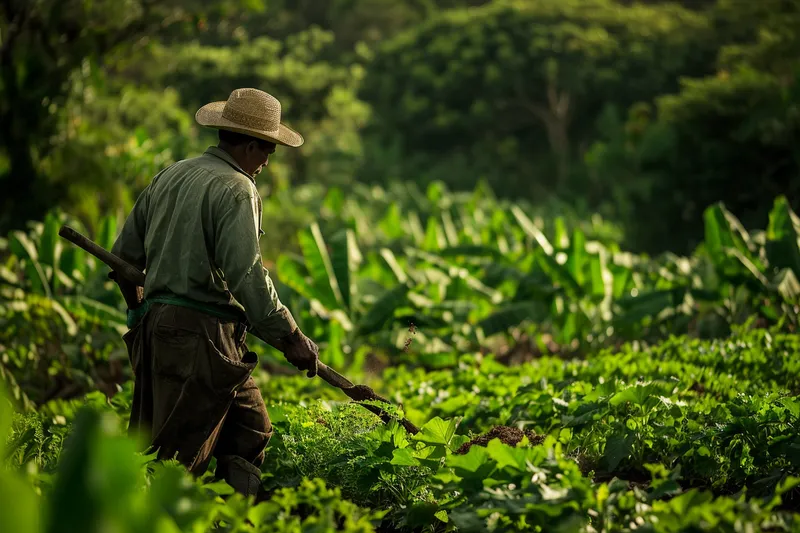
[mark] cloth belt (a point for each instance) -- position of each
(135, 315)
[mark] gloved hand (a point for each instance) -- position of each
(133, 294)
(301, 352)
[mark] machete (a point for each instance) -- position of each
(358, 393)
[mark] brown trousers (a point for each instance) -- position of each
(194, 396)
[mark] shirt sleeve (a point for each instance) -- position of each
(237, 253)
(129, 245)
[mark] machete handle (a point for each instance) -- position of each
(324, 371)
(123, 268)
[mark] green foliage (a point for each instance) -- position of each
(479, 273)
(317, 95)
(60, 316)
(512, 84)
(44, 44)
(731, 131)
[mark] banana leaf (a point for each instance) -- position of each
(783, 237)
(25, 250)
(319, 266)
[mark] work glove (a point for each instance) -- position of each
(301, 352)
(133, 294)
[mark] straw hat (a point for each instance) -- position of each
(252, 112)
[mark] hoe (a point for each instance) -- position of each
(358, 393)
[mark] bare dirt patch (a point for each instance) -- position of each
(508, 435)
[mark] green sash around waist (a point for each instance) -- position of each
(135, 315)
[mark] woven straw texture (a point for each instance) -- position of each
(252, 112)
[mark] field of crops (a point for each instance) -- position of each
(561, 384)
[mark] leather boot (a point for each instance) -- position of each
(240, 474)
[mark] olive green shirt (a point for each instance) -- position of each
(194, 230)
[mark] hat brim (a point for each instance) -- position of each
(210, 116)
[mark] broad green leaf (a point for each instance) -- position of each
(25, 250)
(334, 200)
(291, 272)
(559, 275)
(637, 395)
(394, 265)
(561, 239)
(576, 262)
(598, 270)
(108, 232)
(505, 455)
(21, 507)
(334, 355)
(450, 232)
(383, 309)
(318, 263)
(50, 242)
(436, 192)
(512, 315)
(391, 224)
(344, 258)
(434, 236)
(437, 431)
(475, 461)
(617, 449)
(783, 237)
(403, 457)
(724, 232)
(649, 304)
(531, 230)
(787, 285)
(682, 504)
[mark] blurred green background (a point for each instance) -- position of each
(575, 216)
(644, 112)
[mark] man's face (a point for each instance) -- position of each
(257, 156)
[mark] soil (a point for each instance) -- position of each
(508, 435)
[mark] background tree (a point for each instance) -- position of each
(44, 43)
(732, 136)
(516, 86)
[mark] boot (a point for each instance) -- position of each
(240, 474)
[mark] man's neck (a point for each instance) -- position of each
(232, 152)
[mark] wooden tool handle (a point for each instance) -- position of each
(123, 268)
(324, 371)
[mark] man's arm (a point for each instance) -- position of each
(237, 253)
(129, 245)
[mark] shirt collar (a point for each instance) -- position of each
(228, 158)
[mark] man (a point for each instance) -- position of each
(194, 230)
